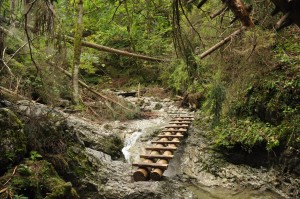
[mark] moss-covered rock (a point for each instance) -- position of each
(12, 139)
(37, 179)
(113, 147)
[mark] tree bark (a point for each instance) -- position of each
(77, 52)
(113, 50)
(240, 11)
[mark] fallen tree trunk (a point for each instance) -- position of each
(112, 50)
(101, 48)
(221, 43)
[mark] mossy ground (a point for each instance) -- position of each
(13, 139)
(36, 179)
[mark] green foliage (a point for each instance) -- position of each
(177, 76)
(247, 133)
(34, 155)
(19, 197)
(215, 99)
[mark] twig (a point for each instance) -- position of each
(223, 9)
(14, 172)
(3, 190)
(5, 64)
(112, 18)
(16, 52)
(254, 45)
(183, 12)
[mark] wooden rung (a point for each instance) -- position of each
(155, 148)
(167, 157)
(185, 116)
(180, 119)
(177, 113)
(174, 130)
(165, 142)
(170, 136)
(181, 122)
(177, 126)
(153, 165)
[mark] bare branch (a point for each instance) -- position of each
(223, 9)
(221, 43)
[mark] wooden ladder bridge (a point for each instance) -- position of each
(155, 162)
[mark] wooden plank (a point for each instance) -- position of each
(165, 142)
(170, 136)
(186, 116)
(153, 165)
(181, 122)
(177, 126)
(155, 148)
(180, 119)
(174, 130)
(149, 156)
(177, 113)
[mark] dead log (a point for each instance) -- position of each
(101, 48)
(119, 52)
(240, 11)
(221, 43)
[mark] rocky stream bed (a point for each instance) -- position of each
(101, 156)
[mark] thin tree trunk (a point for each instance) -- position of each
(77, 52)
(129, 26)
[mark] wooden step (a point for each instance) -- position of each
(174, 130)
(165, 142)
(177, 126)
(152, 165)
(181, 119)
(181, 122)
(178, 113)
(186, 116)
(170, 136)
(155, 148)
(149, 156)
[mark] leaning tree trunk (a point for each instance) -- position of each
(77, 52)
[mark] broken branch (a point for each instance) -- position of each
(221, 43)
(223, 9)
